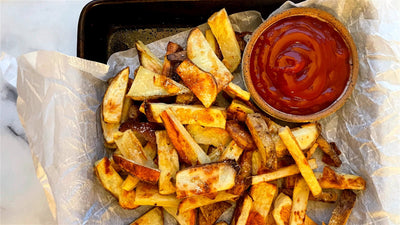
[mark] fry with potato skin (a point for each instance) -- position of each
(341, 213)
(331, 179)
(238, 133)
(200, 200)
(326, 147)
(242, 210)
(147, 58)
(142, 172)
(183, 218)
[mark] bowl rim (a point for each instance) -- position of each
(354, 64)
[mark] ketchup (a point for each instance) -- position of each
(300, 65)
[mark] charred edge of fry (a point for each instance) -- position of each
(143, 173)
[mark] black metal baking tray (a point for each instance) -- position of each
(108, 26)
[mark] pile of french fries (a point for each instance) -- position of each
(190, 143)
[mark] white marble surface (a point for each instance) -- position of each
(26, 26)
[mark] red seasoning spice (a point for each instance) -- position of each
(300, 65)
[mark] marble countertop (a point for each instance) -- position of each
(26, 26)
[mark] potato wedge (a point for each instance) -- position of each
(109, 129)
(143, 86)
(212, 212)
(238, 110)
(171, 86)
(222, 29)
(262, 194)
(144, 173)
(205, 179)
(238, 133)
(326, 147)
(147, 59)
(341, 213)
(199, 200)
(152, 217)
(242, 210)
(187, 114)
(259, 130)
(213, 43)
(127, 199)
(113, 99)
(125, 109)
(168, 163)
(188, 150)
(201, 54)
(235, 91)
(201, 83)
(209, 135)
(147, 194)
(331, 179)
(183, 218)
(108, 177)
(282, 172)
(282, 208)
(232, 151)
(188, 98)
(298, 156)
(300, 201)
(130, 183)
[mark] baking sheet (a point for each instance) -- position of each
(59, 97)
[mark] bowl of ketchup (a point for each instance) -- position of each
(300, 65)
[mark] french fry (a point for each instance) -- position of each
(187, 114)
(187, 98)
(168, 163)
(144, 131)
(199, 200)
(256, 163)
(243, 179)
(125, 109)
(213, 43)
(298, 156)
(201, 54)
(144, 173)
(108, 131)
(143, 86)
(282, 172)
(222, 29)
(343, 209)
(242, 210)
(209, 135)
(212, 212)
(309, 221)
(205, 179)
(147, 59)
(150, 150)
(221, 223)
(183, 218)
(235, 91)
(147, 194)
(262, 194)
(113, 99)
(258, 129)
(127, 199)
(327, 195)
(300, 200)
(331, 179)
(130, 183)
(238, 133)
(238, 110)
(214, 153)
(167, 69)
(188, 150)
(168, 84)
(327, 149)
(282, 209)
(152, 217)
(201, 83)
(311, 151)
(232, 151)
(108, 177)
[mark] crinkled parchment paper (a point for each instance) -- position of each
(59, 98)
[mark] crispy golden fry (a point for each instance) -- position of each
(144, 131)
(168, 163)
(235, 91)
(209, 135)
(201, 54)
(108, 131)
(341, 213)
(172, 87)
(298, 156)
(238, 133)
(108, 177)
(262, 194)
(327, 148)
(259, 131)
(199, 200)
(213, 43)
(147, 59)
(331, 179)
(222, 29)
(152, 217)
(167, 69)
(188, 150)
(188, 98)
(300, 201)
(205, 179)
(256, 163)
(238, 110)
(232, 151)
(282, 208)
(147, 194)
(242, 210)
(144, 173)
(282, 172)
(187, 114)
(130, 183)
(114, 97)
(183, 218)
(143, 86)
(132, 149)
(212, 212)
(127, 199)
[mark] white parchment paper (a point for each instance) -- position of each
(59, 97)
